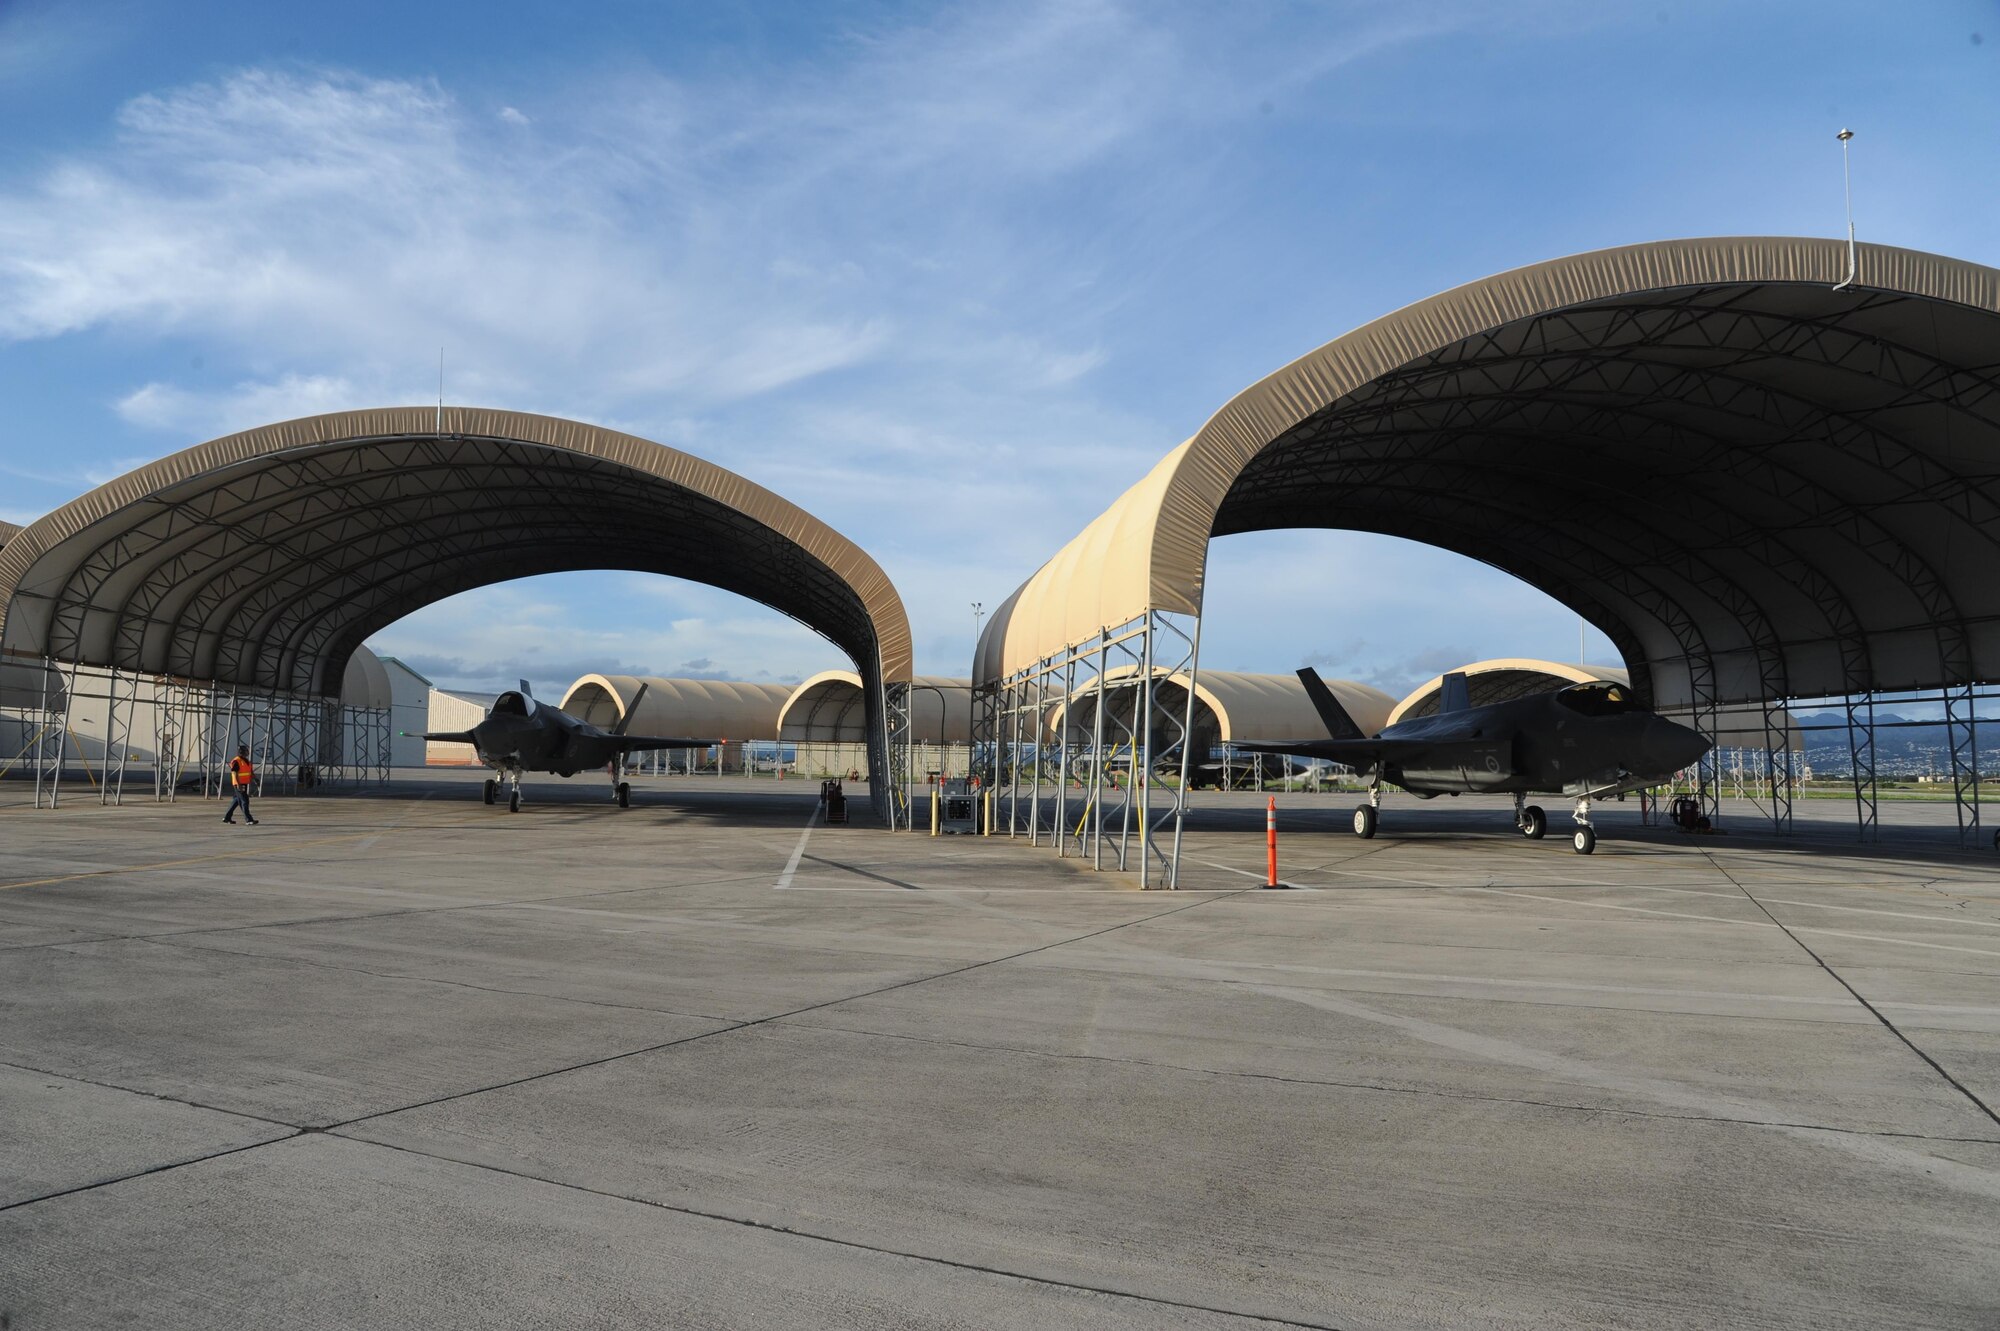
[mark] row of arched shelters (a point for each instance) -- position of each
(1765, 468)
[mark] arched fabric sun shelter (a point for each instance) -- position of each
(1760, 475)
(262, 560)
(830, 708)
(1232, 706)
(727, 711)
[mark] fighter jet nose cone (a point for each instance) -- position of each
(1674, 747)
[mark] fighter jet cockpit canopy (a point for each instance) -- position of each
(513, 703)
(1598, 698)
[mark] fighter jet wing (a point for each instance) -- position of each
(640, 743)
(1352, 752)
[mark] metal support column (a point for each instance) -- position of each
(1962, 732)
(1861, 754)
(1778, 770)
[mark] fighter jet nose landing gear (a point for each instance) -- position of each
(1585, 839)
(624, 794)
(514, 800)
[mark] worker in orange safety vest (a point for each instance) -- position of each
(241, 774)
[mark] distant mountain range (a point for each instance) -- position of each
(1902, 745)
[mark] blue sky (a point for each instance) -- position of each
(949, 276)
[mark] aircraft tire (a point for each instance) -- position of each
(514, 800)
(489, 790)
(1534, 823)
(1585, 840)
(624, 794)
(1364, 821)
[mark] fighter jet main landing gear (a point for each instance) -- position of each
(1585, 837)
(624, 794)
(1366, 816)
(1529, 818)
(490, 790)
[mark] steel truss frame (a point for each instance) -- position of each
(1721, 581)
(299, 744)
(1062, 788)
(893, 776)
(1961, 717)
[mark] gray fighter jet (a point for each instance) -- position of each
(1586, 741)
(521, 735)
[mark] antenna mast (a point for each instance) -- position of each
(1847, 180)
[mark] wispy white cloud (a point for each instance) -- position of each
(164, 406)
(879, 285)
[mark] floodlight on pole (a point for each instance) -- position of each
(1847, 181)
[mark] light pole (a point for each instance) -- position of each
(972, 684)
(1847, 184)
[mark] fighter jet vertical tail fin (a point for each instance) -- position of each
(1454, 695)
(1339, 725)
(631, 710)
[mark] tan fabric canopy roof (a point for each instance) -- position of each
(828, 709)
(8, 531)
(1244, 707)
(1756, 485)
(1502, 680)
(366, 682)
(717, 709)
(265, 558)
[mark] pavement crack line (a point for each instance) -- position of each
(1620, 1111)
(142, 1173)
(1874, 1011)
(780, 1016)
(150, 1095)
(853, 1245)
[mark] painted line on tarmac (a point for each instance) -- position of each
(865, 873)
(1296, 887)
(1818, 905)
(1743, 924)
(1933, 1169)
(199, 859)
(798, 853)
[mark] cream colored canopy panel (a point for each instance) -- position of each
(366, 683)
(1837, 527)
(713, 709)
(1539, 676)
(1251, 708)
(827, 708)
(1101, 579)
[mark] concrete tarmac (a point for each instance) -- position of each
(405, 1059)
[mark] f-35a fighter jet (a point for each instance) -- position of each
(1585, 741)
(521, 735)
